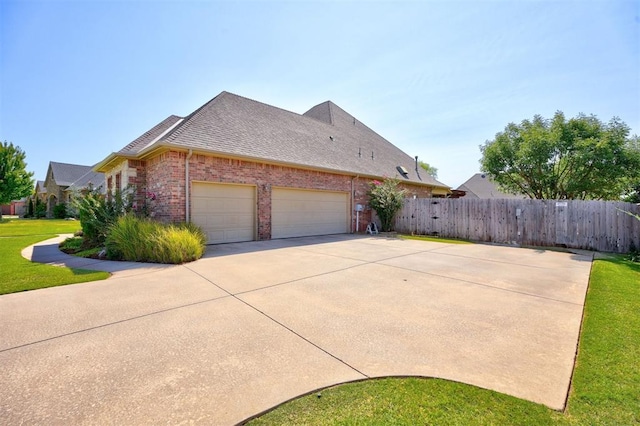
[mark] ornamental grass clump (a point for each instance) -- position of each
(129, 238)
(176, 244)
(143, 240)
(386, 198)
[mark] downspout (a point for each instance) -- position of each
(187, 187)
(353, 206)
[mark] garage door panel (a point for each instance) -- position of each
(296, 213)
(225, 212)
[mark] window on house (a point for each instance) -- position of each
(118, 182)
(109, 186)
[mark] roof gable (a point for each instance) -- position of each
(40, 188)
(142, 141)
(321, 112)
(64, 174)
(75, 176)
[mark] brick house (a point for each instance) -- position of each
(244, 170)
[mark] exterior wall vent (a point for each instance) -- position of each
(404, 172)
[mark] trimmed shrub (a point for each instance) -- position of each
(71, 245)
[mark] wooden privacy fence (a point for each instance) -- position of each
(591, 225)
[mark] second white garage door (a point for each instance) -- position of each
(299, 213)
(226, 213)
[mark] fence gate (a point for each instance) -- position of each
(435, 219)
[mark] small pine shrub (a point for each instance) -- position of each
(30, 208)
(40, 209)
(60, 211)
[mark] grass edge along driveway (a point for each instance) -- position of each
(604, 386)
(19, 274)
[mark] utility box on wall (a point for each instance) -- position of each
(359, 207)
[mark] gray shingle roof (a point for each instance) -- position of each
(481, 186)
(142, 141)
(325, 137)
(94, 178)
(74, 175)
(40, 187)
(65, 174)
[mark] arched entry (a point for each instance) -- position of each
(51, 203)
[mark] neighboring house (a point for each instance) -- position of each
(40, 191)
(15, 208)
(243, 170)
(481, 186)
(63, 179)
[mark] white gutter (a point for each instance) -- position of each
(187, 187)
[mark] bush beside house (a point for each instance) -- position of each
(386, 198)
(109, 221)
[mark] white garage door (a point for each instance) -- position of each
(226, 213)
(298, 213)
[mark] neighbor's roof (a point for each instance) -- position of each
(92, 178)
(481, 186)
(76, 175)
(40, 187)
(325, 137)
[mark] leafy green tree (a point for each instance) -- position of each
(15, 181)
(580, 158)
(386, 198)
(632, 195)
(431, 171)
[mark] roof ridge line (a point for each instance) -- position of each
(186, 121)
(69, 164)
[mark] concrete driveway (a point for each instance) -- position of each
(254, 324)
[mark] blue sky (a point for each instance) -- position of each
(81, 79)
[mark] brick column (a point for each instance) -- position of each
(264, 211)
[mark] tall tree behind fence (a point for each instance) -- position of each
(591, 225)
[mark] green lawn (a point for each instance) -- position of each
(20, 274)
(605, 388)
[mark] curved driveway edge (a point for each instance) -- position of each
(47, 252)
(254, 324)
